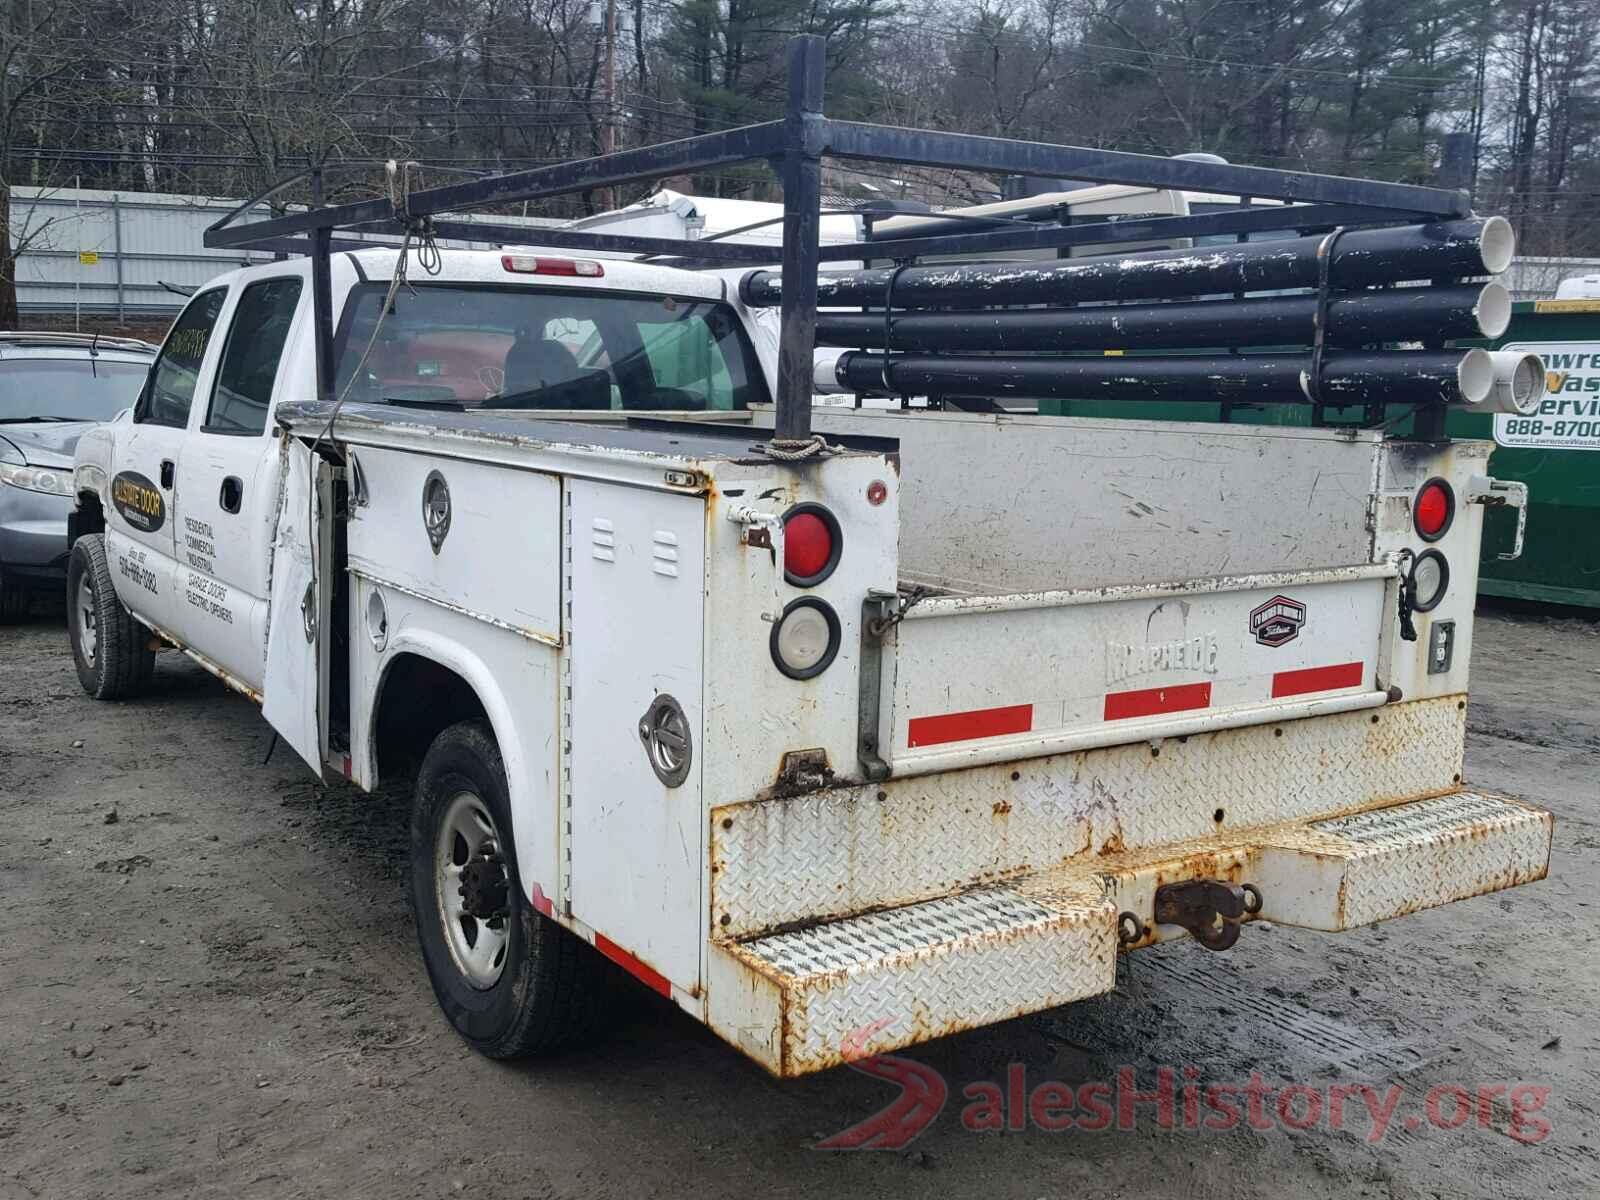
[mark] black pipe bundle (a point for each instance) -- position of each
(1354, 319)
(1359, 258)
(1346, 378)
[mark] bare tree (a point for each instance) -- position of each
(226, 97)
(41, 49)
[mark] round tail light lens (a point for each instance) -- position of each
(1433, 510)
(812, 541)
(806, 638)
(1429, 580)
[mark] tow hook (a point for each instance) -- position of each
(1211, 911)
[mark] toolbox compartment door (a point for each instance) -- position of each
(294, 695)
(983, 678)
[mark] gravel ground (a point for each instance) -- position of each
(209, 987)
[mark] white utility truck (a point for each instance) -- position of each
(840, 736)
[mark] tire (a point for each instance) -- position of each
(108, 645)
(550, 989)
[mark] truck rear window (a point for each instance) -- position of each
(489, 346)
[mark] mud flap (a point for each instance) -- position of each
(295, 690)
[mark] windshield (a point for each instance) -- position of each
(77, 389)
(487, 346)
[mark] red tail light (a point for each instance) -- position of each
(1433, 510)
(812, 542)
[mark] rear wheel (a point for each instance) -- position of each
(108, 646)
(511, 981)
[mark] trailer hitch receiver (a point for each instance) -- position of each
(1209, 910)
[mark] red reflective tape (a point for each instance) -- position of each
(542, 903)
(648, 976)
(1152, 701)
(967, 726)
(1317, 679)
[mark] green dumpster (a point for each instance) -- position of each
(1555, 452)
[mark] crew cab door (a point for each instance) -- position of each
(228, 483)
(140, 527)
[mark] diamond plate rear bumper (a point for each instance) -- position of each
(844, 850)
(803, 1001)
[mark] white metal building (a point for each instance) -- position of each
(109, 252)
(98, 252)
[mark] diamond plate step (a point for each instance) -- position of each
(795, 1001)
(1351, 871)
(807, 999)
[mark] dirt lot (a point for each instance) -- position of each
(209, 987)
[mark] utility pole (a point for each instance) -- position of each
(608, 128)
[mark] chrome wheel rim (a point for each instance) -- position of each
(466, 856)
(88, 631)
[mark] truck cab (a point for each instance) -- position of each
(186, 487)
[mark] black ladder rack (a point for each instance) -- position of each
(796, 146)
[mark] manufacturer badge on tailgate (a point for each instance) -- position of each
(1278, 621)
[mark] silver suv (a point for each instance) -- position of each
(53, 387)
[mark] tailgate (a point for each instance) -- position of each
(986, 678)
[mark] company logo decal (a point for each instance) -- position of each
(1278, 621)
(139, 501)
(1125, 660)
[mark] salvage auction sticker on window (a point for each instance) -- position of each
(1569, 415)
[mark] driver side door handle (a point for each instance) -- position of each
(232, 494)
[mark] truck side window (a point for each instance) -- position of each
(243, 390)
(170, 391)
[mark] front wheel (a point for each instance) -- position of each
(108, 646)
(511, 981)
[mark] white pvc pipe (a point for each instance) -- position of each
(1519, 383)
(1493, 310)
(824, 371)
(1498, 244)
(1475, 376)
